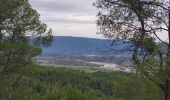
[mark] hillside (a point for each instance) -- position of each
(81, 46)
(48, 83)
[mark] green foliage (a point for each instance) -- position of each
(138, 22)
(17, 48)
(48, 83)
(135, 88)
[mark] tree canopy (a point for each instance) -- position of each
(21, 35)
(139, 22)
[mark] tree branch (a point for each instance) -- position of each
(159, 38)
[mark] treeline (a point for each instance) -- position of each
(47, 83)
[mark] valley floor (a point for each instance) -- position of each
(84, 65)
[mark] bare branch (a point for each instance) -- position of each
(154, 4)
(162, 21)
(160, 38)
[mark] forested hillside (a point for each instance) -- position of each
(48, 83)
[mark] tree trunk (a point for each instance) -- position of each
(167, 90)
(167, 85)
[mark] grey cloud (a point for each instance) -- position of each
(62, 20)
(67, 6)
(75, 13)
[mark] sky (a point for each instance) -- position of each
(68, 17)
(71, 17)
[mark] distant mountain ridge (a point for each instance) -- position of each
(80, 46)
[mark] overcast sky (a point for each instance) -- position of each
(71, 17)
(68, 17)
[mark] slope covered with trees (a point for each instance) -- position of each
(48, 83)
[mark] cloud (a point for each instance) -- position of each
(78, 15)
(63, 20)
(67, 6)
